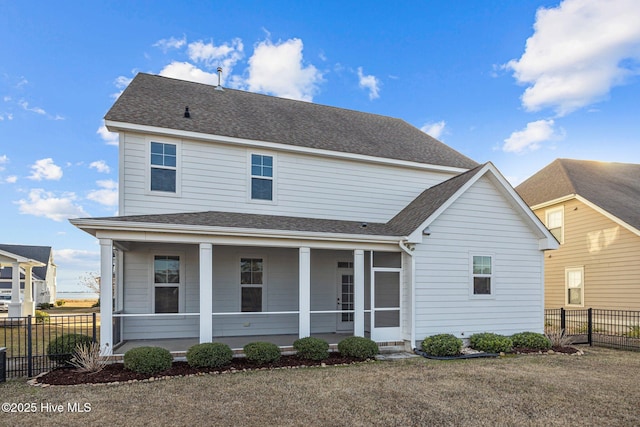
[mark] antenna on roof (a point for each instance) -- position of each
(219, 87)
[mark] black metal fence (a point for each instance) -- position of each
(606, 328)
(27, 340)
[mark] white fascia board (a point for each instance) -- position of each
(8, 258)
(105, 227)
(122, 126)
(608, 215)
(553, 202)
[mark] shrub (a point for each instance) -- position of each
(442, 345)
(42, 316)
(89, 358)
(63, 348)
(209, 355)
(261, 352)
(60, 302)
(45, 306)
(147, 360)
(360, 347)
(490, 343)
(634, 331)
(558, 338)
(311, 348)
(95, 304)
(531, 340)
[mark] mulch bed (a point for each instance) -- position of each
(556, 349)
(115, 372)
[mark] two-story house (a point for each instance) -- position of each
(249, 215)
(593, 209)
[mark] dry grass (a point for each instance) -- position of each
(599, 388)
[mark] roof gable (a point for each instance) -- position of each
(613, 187)
(38, 253)
(160, 102)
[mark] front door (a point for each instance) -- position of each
(345, 300)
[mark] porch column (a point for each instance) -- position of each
(106, 296)
(304, 306)
(358, 298)
(206, 292)
(15, 306)
(28, 307)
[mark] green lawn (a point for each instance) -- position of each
(599, 388)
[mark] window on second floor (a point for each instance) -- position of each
(555, 222)
(261, 177)
(163, 167)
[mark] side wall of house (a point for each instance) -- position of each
(480, 222)
(215, 176)
(608, 253)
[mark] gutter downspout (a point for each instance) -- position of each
(409, 252)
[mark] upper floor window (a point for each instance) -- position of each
(261, 177)
(482, 273)
(163, 167)
(555, 223)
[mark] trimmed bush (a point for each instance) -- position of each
(63, 348)
(490, 342)
(209, 355)
(261, 352)
(41, 316)
(531, 340)
(442, 345)
(45, 306)
(360, 347)
(147, 360)
(311, 348)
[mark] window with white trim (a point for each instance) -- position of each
(574, 283)
(261, 177)
(555, 222)
(164, 167)
(166, 280)
(482, 274)
(251, 284)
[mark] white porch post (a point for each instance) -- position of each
(206, 292)
(28, 307)
(358, 279)
(304, 307)
(15, 306)
(106, 296)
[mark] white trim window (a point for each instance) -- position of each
(163, 158)
(482, 275)
(166, 283)
(554, 219)
(262, 177)
(574, 285)
(252, 279)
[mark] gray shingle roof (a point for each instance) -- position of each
(160, 102)
(614, 187)
(39, 253)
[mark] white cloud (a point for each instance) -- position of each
(278, 69)
(3, 161)
(530, 137)
(11, 179)
(101, 166)
(369, 82)
(45, 169)
(111, 138)
(48, 205)
(225, 55)
(578, 52)
(434, 129)
(170, 43)
(37, 110)
(187, 71)
(107, 195)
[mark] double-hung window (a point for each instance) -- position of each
(555, 223)
(251, 284)
(261, 177)
(574, 282)
(166, 280)
(163, 167)
(482, 275)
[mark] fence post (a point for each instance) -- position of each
(29, 347)
(590, 326)
(563, 319)
(3, 364)
(94, 327)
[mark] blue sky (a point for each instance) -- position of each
(518, 83)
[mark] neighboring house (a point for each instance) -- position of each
(42, 270)
(593, 209)
(249, 215)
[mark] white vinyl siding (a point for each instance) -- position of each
(479, 221)
(214, 177)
